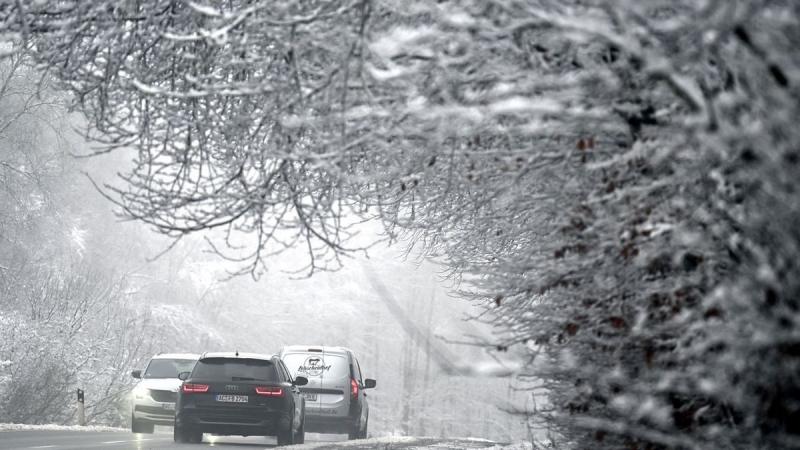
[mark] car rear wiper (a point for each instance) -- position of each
(245, 379)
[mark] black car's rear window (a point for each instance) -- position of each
(235, 369)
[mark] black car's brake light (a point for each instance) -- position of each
(191, 388)
(269, 391)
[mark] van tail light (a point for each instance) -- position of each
(353, 388)
(191, 388)
(269, 391)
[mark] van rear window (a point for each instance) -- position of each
(317, 365)
(235, 369)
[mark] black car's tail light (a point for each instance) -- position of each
(269, 391)
(191, 388)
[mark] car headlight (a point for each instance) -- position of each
(139, 392)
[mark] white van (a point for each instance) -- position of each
(335, 397)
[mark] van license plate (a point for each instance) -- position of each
(168, 406)
(231, 398)
(310, 396)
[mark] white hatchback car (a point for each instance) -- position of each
(153, 398)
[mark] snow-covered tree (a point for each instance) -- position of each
(231, 108)
(608, 193)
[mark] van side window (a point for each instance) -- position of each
(281, 371)
(357, 371)
(286, 375)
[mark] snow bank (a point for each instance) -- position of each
(371, 442)
(26, 427)
(418, 443)
(518, 446)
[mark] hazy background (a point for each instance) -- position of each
(188, 292)
(86, 298)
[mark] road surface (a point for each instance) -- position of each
(79, 440)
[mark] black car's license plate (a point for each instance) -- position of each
(231, 398)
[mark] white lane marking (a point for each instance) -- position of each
(127, 440)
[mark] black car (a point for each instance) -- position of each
(240, 394)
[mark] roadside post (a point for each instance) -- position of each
(81, 412)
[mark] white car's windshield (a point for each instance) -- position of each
(168, 368)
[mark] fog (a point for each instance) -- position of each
(180, 296)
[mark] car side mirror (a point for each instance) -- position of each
(300, 381)
(136, 373)
(183, 376)
(369, 383)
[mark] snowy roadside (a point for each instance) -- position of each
(90, 428)
(412, 443)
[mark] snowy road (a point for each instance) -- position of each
(75, 440)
